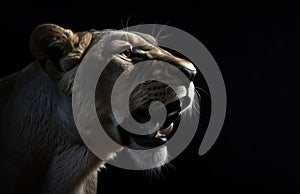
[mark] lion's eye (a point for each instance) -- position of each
(133, 55)
(127, 53)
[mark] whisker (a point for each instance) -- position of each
(137, 26)
(127, 21)
(161, 30)
(161, 38)
(153, 29)
(122, 24)
(195, 109)
(196, 105)
(202, 90)
(168, 166)
(197, 93)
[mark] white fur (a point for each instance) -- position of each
(156, 158)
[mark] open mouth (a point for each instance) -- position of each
(160, 136)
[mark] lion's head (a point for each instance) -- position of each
(60, 52)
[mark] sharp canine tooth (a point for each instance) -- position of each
(167, 130)
(163, 133)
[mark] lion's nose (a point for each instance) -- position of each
(187, 68)
(190, 73)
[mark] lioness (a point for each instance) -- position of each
(41, 149)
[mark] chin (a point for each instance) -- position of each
(144, 160)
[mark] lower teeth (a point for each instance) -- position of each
(159, 135)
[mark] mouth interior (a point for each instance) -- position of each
(159, 137)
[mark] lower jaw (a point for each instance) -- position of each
(149, 143)
(151, 159)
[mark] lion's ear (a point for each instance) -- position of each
(62, 46)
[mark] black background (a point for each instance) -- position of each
(257, 49)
